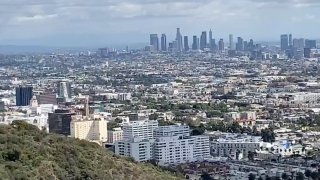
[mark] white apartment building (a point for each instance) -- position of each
(177, 150)
(141, 129)
(174, 130)
(171, 145)
(137, 148)
(89, 128)
(235, 146)
(115, 135)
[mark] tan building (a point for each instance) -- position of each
(115, 135)
(89, 128)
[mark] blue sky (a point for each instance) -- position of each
(104, 22)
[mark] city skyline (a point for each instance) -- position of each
(96, 23)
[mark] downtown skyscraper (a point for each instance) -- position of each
(195, 44)
(179, 40)
(186, 43)
(163, 42)
(284, 42)
(203, 40)
(231, 44)
(154, 41)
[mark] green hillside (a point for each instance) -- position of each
(28, 153)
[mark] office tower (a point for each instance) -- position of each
(307, 52)
(284, 42)
(231, 45)
(194, 43)
(239, 45)
(154, 41)
(245, 45)
(141, 129)
(47, 98)
(23, 95)
(186, 43)
(89, 128)
(290, 40)
(311, 44)
(163, 42)
(59, 121)
(298, 43)
(221, 45)
(203, 40)
(250, 45)
(211, 44)
(64, 90)
(179, 40)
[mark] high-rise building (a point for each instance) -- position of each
(195, 43)
(284, 42)
(64, 90)
(211, 44)
(163, 42)
(298, 43)
(203, 40)
(23, 95)
(47, 98)
(172, 145)
(221, 45)
(290, 40)
(311, 44)
(231, 44)
(59, 121)
(154, 41)
(186, 43)
(179, 40)
(115, 135)
(141, 129)
(239, 45)
(89, 128)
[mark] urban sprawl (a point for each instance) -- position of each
(208, 110)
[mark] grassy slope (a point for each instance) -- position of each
(27, 153)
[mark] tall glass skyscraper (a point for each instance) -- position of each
(23, 95)
(163, 42)
(179, 40)
(284, 39)
(154, 41)
(203, 40)
(186, 43)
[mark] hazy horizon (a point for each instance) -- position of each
(80, 23)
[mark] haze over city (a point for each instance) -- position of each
(97, 23)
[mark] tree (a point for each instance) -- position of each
(268, 135)
(307, 173)
(300, 176)
(153, 116)
(251, 156)
(315, 175)
(206, 176)
(118, 120)
(284, 176)
(252, 176)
